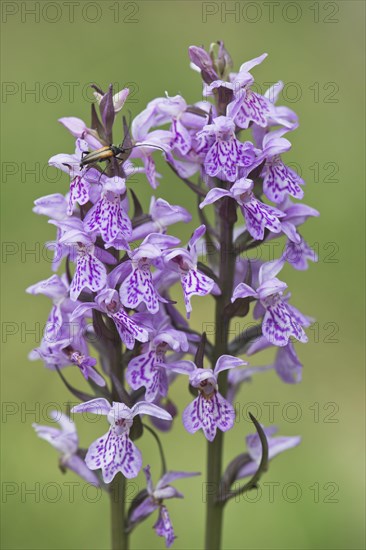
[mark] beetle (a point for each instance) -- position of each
(99, 155)
(107, 152)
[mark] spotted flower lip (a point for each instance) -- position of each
(258, 215)
(279, 321)
(128, 327)
(115, 452)
(225, 154)
(66, 441)
(150, 368)
(184, 261)
(210, 410)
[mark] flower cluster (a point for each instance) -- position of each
(119, 264)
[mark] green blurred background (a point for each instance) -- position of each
(318, 488)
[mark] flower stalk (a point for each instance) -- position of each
(226, 218)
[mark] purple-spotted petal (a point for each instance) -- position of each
(181, 138)
(279, 181)
(195, 283)
(208, 414)
(164, 527)
(279, 325)
(259, 216)
(128, 329)
(138, 287)
(110, 220)
(145, 371)
(90, 273)
(114, 453)
(79, 193)
(249, 107)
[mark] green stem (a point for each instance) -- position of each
(119, 536)
(215, 508)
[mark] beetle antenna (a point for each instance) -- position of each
(145, 145)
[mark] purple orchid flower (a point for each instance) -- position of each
(276, 445)
(66, 441)
(162, 214)
(80, 184)
(109, 219)
(279, 321)
(115, 452)
(149, 368)
(184, 261)
(278, 179)
(155, 501)
(247, 106)
(210, 410)
(90, 271)
(107, 301)
(258, 216)
(62, 345)
(86, 365)
(138, 286)
(225, 154)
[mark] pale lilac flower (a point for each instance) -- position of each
(279, 322)
(115, 452)
(80, 184)
(276, 445)
(138, 286)
(184, 261)
(107, 301)
(247, 106)
(155, 501)
(66, 442)
(278, 179)
(149, 369)
(108, 218)
(258, 215)
(86, 365)
(90, 271)
(210, 410)
(225, 154)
